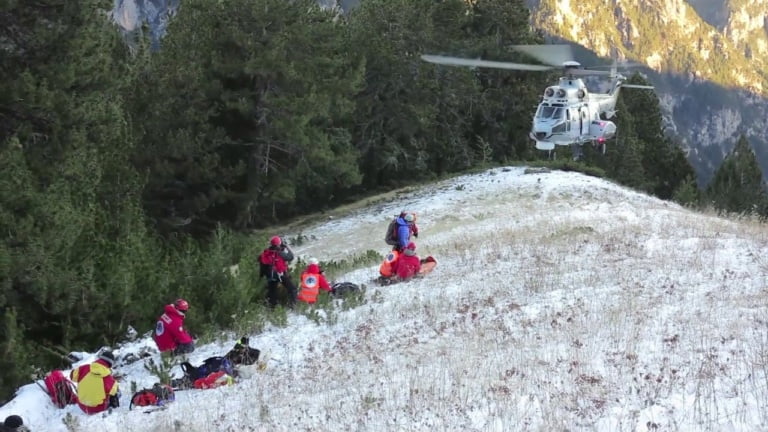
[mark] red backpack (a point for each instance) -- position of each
(158, 395)
(61, 390)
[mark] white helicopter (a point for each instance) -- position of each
(568, 115)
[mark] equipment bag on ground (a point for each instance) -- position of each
(158, 395)
(209, 366)
(242, 353)
(341, 289)
(60, 389)
(213, 380)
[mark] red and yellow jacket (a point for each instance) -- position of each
(95, 384)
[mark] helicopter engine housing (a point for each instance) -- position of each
(602, 130)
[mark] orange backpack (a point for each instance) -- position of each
(387, 268)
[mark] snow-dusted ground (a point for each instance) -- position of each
(561, 302)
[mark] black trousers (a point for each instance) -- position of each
(272, 293)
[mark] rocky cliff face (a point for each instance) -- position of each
(707, 58)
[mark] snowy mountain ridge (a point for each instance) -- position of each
(560, 301)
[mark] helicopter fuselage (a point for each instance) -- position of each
(568, 114)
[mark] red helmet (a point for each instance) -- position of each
(181, 305)
(276, 241)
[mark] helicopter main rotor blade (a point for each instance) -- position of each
(458, 61)
(638, 86)
(619, 65)
(586, 72)
(554, 55)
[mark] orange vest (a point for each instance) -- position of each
(387, 268)
(310, 287)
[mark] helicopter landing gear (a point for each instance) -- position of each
(600, 147)
(551, 155)
(578, 154)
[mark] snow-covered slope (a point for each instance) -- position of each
(560, 302)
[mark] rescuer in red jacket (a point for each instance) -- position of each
(274, 265)
(409, 264)
(169, 331)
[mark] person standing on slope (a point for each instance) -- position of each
(169, 334)
(400, 230)
(97, 389)
(312, 281)
(274, 265)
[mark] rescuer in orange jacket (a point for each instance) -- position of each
(312, 281)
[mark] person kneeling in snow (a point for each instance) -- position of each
(169, 334)
(409, 264)
(96, 387)
(312, 281)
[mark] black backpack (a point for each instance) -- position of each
(209, 366)
(391, 237)
(341, 289)
(242, 354)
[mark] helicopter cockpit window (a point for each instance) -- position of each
(546, 112)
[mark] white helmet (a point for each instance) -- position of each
(313, 260)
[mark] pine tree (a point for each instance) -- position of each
(508, 98)
(738, 184)
(688, 193)
(664, 162)
(418, 118)
(241, 115)
(68, 197)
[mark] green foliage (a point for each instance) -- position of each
(687, 193)
(664, 164)
(163, 370)
(570, 165)
(347, 265)
(738, 185)
(251, 123)
(14, 353)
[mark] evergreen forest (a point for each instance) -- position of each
(131, 177)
